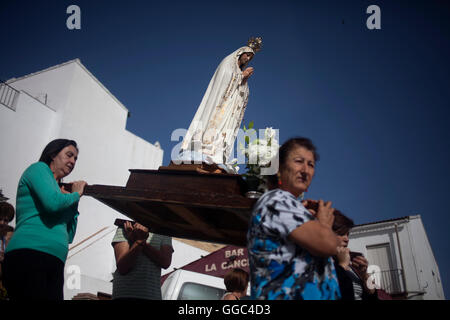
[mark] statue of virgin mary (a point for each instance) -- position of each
(211, 135)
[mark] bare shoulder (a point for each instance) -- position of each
(229, 296)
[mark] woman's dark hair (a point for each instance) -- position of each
(7, 210)
(289, 145)
(55, 147)
(236, 280)
(342, 224)
(284, 152)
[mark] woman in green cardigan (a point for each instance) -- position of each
(46, 220)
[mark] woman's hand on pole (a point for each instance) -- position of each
(78, 186)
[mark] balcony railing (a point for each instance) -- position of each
(389, 280)
(8, 95)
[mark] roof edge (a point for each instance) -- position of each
(386, 221)
(12, 80)
(77, 61)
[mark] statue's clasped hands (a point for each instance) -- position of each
(247, 72)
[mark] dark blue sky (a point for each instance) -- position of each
(375, 102)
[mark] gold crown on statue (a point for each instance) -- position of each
(255, 43)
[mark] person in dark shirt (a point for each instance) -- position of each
(351, 267)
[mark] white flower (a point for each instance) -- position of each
(259, 152)
(263, 142)
(269, 133)
(266, 152)
(253, 151)
(232, 168)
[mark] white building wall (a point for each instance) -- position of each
(410, 259)
(427, 268)
(50, 86)
(183, 254)
(24, 134)
(97, 121)
(419, 263)
(78, 107)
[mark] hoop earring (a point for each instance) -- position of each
(279, 180)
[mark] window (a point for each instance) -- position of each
(380, 255)
(385, 275)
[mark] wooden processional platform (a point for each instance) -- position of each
(183, 201)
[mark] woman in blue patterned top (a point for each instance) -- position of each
(290, 247)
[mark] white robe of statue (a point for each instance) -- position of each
(216, 123)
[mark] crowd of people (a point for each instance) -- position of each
(297, 249)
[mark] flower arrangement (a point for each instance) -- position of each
(258, 154)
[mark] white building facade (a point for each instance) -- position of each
(67, 101)
(400, 257)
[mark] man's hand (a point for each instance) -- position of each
(128, 229)
(140, 232)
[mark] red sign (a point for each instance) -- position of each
(219, 262)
